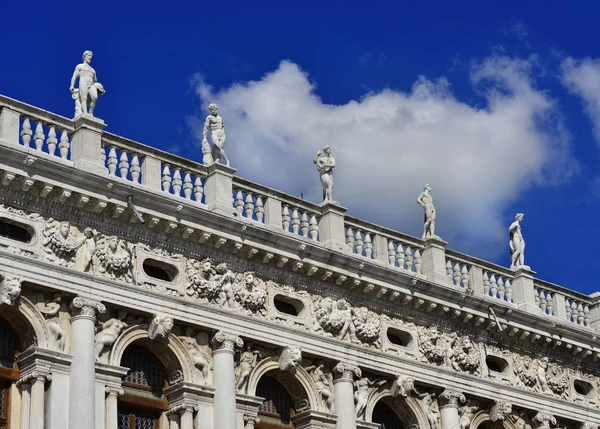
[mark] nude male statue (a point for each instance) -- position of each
(517, 243)
(89, 87)
(425, 200)
(217, 134)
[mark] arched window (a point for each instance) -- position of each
(386, 417)
(277, 410)
(9, 373)
(144, 400)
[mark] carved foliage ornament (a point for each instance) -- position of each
(451, 398)
(346, 372)
(87, 307)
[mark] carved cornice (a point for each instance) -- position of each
(86, 308)
(451, 398)
(345, 372)
(226, 343)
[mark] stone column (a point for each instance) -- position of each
(250, 421)
(111, 407)
(449, 401)
(82, 393)
(523, 291)
(331, 226)
(86, 144)
(343, 394)
(37, 415)
(174, 420)
(224, 345)
(25, 402)
(218, 189)
(187, 418)
(434, 261)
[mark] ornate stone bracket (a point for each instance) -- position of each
(86, 308)
(346, 372)
(225, 342)
(451, 398)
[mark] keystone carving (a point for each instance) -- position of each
(10, 289)
(500, 411)
(290, 358)
(160, 326)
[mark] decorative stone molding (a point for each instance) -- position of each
(114, 391)
(451, 398)
(34, 375)
(500, 411)
(345, 372)
(403, 387)
(224, 342)
(86, 308)
(543, 420)
(10, 289)
(290, 358)
(160, 326)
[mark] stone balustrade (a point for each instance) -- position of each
(83, 144)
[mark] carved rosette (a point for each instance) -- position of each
(226, 343)
(451, 398)
(346, 372)
(543, 421)
(10, 289)
(84, 308)
(500, 411)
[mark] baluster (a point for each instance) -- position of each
(285, 218)
(313, 228)
(537, 296)
(419, 262)
(304, 224)
(543, 301)
(177, 182)
(350, 238)
(51, 141)
(391, 253)
(574, 313)
(239, 202)
(568, 309)
(187, 185)
(549, 304)
(368, 246)
(135, 168)
(112, 161)
(500, 288)
(400, 256)
(580, 314)
(166, 178)
(198, 190)
(464, 276)
(38, 137)
(508, 289)
(456, 274)
(408, 258)
(26, 132)
(449, 270)
(586, 316)
(124, 164)
(249, 206)
(486, 283)
(359, 243)
(63, 145)
(295, 221)
(260, 209)
(493, 286)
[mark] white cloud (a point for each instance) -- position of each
(478, 159)
(583, 78)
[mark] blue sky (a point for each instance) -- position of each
(497, 105)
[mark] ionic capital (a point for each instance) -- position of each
(543, 420)
(226, 343)
(250, 421)
(114, 391)
(588, 425)
(86, 308)
(34, 376)
(451, 398)
(346, 372)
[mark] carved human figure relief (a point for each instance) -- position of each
(517, 244)
(322, 377)
(113, 259)
(425, 200)
(86, 248)
(430, 406)
(464, 356)
(290, 358)
(111, 329)
(325, 164)
(367, 326)
(86, 95)
(59, 242)
(334, 317)
(248, 360)
(361, 394)
(199, 354)
(467, 412)
(404, 387)
(10, 289)
(216, 125)
(225, 279)
(201, 284)
(51, 310)
(525, 371)
(160, 326)
(251, 293)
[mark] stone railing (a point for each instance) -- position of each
(83, 144)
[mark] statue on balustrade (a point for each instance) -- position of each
(217, 136)
(325, 164)
(89, 87)
(425, 200)
(517, 243)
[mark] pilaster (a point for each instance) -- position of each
(331, 226)
(524, 291)
(86, 144)
(218, 189)
(434, 261)
(9, 125)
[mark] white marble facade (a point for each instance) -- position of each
(234, 306)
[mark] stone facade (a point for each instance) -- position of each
(109, 247)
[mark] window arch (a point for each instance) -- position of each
(277, 409)
(9, 373)
(386, 416)
(144, 385)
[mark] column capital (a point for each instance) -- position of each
(345, 372)
(86, 308)
(451, 398)
(225, 342)
(33, 377)
(543, 420)
(114, 391)
(588, 425)
(250, 421)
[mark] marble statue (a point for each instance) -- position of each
(86, 247)
(323, 379)
(425, 200)
(432, 411)
(111, 329)
(248, 360)
(361, 395)
(51, 311)
(517, 243)
(217, 134)
(325, 164)
(200, 357)
(89, 87)
(10, 289)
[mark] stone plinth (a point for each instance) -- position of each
(86, 144)
(331, 226)
(218, 189)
